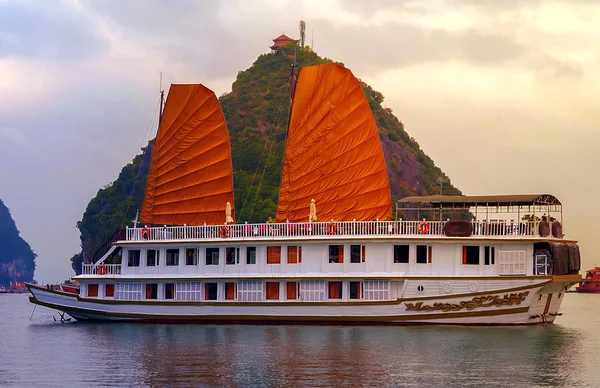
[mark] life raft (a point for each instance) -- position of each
(331, 228)
(424, 227)
(224, 231)
(101, 270)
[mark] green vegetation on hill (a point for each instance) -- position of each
(257, 111)
(17, 260)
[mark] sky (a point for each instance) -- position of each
(501, 94)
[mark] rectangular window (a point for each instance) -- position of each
(230, 291)
(336, 253)
(210, 291)
(355, 290)
(422, 254)
(490, 255)
(251, 255)
(128, 291)
(191, 256)
(401, 254)
(188, 291)
(212, 256)
(364, 253)
(312, 290)
(335, 290)
(152, 257)
(133, 258)
(355, 253)
(109, 290)
(152, 291)
(249, 291)
(470, 255)
(273, 255)
(169, 290)
(293, 253)
(93, 290)
(272, 290)
(292, 290)
(172, 257)
(376, 289)
(232, 255)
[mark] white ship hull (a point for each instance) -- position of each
(535, 301)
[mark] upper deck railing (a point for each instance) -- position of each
(328, 230)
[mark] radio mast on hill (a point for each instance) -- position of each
(302, 32)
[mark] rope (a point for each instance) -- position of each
(152, 120)
(270, 143)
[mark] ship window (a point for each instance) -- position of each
(272, 290)
(109, 290)
(152, 291)
(232, 255)
(490, 253)
(335, 290)
(336, 253)
(249, 291)
(355, 290)
(230, 291)
(188, 291)
(191, 256)
(292, 290)
(152, 257)
(133, 258)
(92, 290)
(357, 253)
(172, 257)
(212, 256)
(210, 291)
(170, 291)
(470, 255)
(251, 255)
(128, 291)
(273, 255)
(312, 290)
(376, 289)
(294, 254)
(401, 254)
(423, 254)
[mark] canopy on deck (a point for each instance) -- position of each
(467, 201)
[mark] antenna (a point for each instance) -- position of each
(302, 33)
(312, 40)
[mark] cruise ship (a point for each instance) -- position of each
(336, 252)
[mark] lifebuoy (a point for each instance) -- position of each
(424, 227)
(101, 270)
(224, 231)
(145, 233)
(331, 228)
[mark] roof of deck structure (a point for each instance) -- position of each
(482, 200)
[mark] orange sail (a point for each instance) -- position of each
(191, 176)
(333, 153)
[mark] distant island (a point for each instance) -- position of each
(256, 111)
(17, 259)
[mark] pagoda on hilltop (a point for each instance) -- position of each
(280, 41)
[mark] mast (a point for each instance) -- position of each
(162, 99)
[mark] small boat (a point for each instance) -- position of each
(468, 260)
(591, 282)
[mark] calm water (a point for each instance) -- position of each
(43, 353)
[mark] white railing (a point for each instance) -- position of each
(325, 229)
(107, 269)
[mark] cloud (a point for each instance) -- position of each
(46, 30)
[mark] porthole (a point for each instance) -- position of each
(447, 287)
(473, 286)
(420, 288)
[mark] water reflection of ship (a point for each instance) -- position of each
(336, 355)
